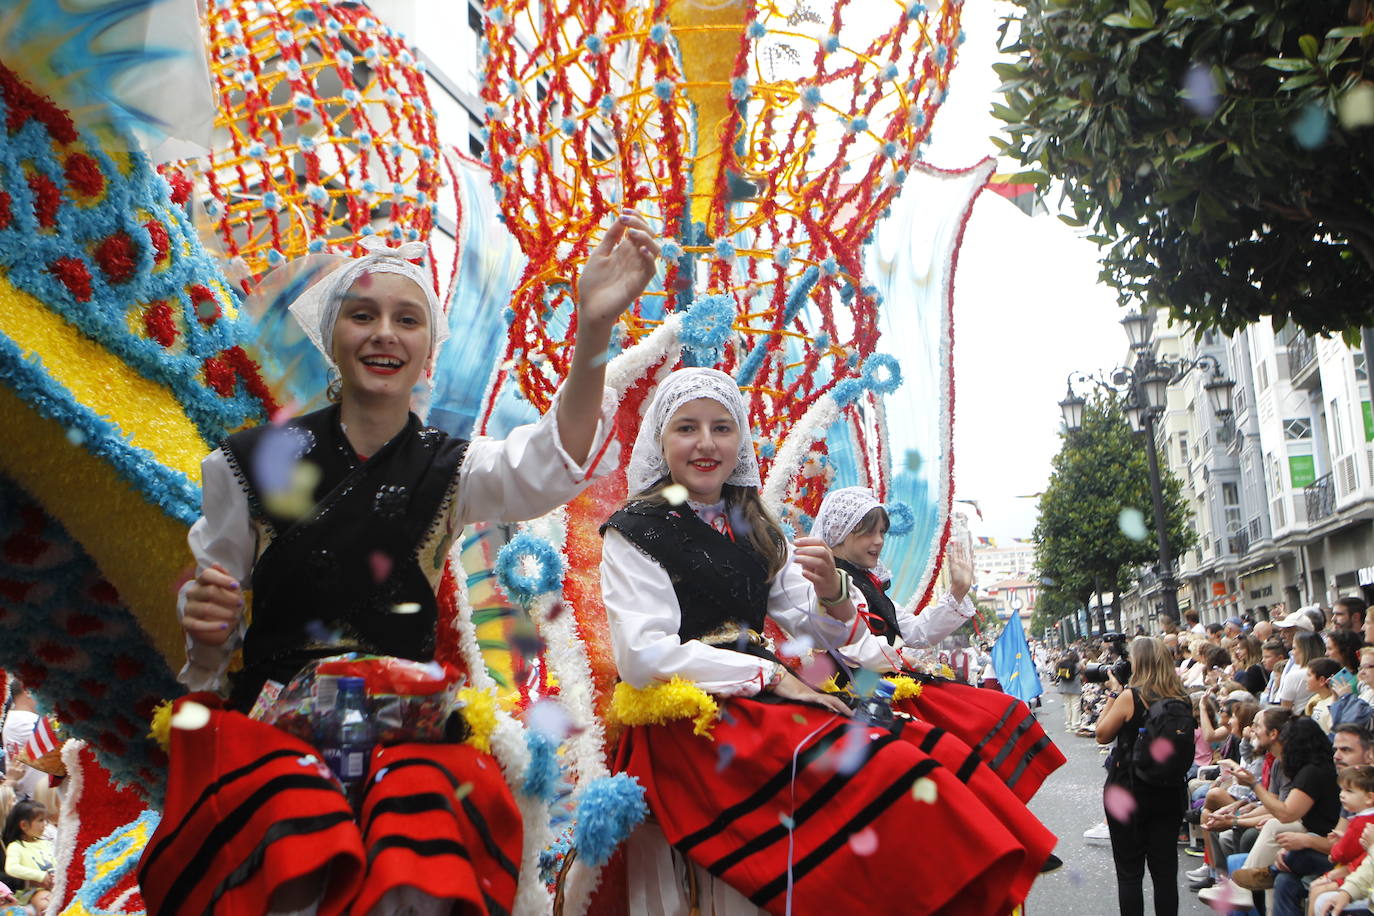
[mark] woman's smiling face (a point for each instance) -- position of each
(701, 447)
(382, 336)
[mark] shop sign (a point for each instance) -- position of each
(1366, 575)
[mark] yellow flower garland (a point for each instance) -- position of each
(663, 703)
(479, 711)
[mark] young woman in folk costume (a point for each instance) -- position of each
(250, 825)
(782, 804)
(1000, 728)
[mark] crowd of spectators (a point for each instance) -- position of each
(1282, 781)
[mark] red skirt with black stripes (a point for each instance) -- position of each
(250, 809)
(999, 727)
(790, 802)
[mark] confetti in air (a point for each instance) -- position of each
(676, 494)
(191, 716)
(1119, 802)
(1132, 524)
(865, 842)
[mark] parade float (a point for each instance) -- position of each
(808, 252)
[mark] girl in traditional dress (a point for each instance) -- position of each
(787, 802)
(250, 824)
(999, 727)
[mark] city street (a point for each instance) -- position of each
(1069, 803)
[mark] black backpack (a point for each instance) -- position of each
(1163, 749)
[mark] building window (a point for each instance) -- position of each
(1183, 447)
(1262, 373)
(1361, 373)
(1297, 428)
(1230, 494)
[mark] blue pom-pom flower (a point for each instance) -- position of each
(707, 325)
(607, 811)
(542, 775)
(847, 391)
(523, 586)
(901, 519)
(882, 374)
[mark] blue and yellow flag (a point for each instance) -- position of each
(1011, 659)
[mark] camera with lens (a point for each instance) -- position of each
(1118, 663)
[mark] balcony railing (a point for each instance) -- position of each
(1239, 543)
(1302, 352)
(1320, 498)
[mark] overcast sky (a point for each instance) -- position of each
(1027, 311)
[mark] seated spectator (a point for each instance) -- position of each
(1215, 632)
(1274, 657)
(1357, 797)
(1247, 666)
(1320, 671)
(1348, 613)
(1293, 691)
(1344, 646)
(1232, 826)
(1311, 805)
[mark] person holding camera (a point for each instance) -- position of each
(1145, 794)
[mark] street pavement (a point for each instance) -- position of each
(1069, 803)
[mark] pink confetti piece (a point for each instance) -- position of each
(865, 842)
(1119, 802)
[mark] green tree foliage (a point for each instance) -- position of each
(1216, 148)
(1100, 471)
(1050, 605)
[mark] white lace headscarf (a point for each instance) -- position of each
(317, 309)
(647, 463)
(840, 513)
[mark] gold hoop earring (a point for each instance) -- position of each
(334, 388)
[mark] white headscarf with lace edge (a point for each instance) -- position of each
(317, 309)
(647, 464)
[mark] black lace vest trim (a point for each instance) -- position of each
(884, 622)
(718, 581)
(329, 581)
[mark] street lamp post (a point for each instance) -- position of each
(1145, 386)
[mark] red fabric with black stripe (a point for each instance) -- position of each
(728, 811)
(999, 727)
(249, 808)
(441, 819)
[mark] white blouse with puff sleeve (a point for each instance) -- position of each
(645, 616)
(919, 631)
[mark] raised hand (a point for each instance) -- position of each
(960, 569)
(617, 271)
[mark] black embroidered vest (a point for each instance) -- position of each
(718, 581)
(884, 622)
(331, 580)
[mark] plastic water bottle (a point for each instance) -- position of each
(347, 740)
(876, 708)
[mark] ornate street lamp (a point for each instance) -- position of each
(1138, 326)
(1072, 409)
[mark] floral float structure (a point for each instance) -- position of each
(766, 145)
(770, 147)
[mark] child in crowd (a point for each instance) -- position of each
(853, 524)
(788, 805)
(1320, 671)
(246, 826)
(1357, 797)
(29, 854)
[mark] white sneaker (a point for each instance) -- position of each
(1227, 894)
(1198, 874)
(1098, 835)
